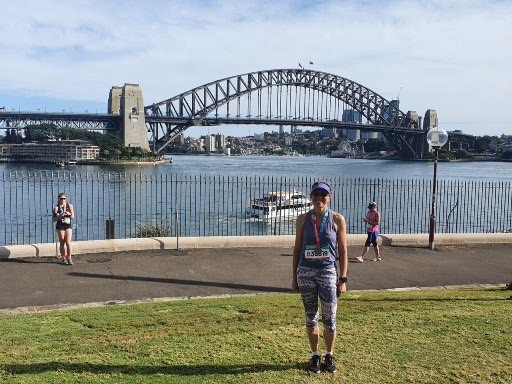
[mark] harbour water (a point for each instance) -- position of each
(277, 166)
(208, 195)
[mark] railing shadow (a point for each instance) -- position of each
(248, 287)
(188, 370)
(38, 260)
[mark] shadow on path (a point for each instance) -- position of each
(258, 288)
(39, 260)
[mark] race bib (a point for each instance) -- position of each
(311, 253)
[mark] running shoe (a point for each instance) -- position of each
(314, 364)
(359, 259)
(329, 365)
(70, 262)
(64, 262)
(377, 259)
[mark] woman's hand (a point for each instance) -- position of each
(341, 288)
(295, 286)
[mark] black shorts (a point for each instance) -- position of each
(62, 226)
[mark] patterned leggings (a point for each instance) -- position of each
(314, 283)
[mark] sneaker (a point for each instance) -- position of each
(377, 259)
(314, 364)
(64, 262)
(359, 259)
(329, 365)
(70, 262)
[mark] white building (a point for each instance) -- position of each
(59, 150)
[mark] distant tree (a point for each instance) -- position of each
(461, 154)
(117, 153)
(374, 146)
(507, 155)
(41, 133)
(482, 144)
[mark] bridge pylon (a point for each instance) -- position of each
(127, 102)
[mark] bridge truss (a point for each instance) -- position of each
(95, 122)
(300, 97)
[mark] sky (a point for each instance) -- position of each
(451, 56)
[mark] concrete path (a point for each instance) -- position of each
(133, 275)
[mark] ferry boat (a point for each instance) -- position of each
(279, 205)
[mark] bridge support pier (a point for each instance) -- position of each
(127, 102)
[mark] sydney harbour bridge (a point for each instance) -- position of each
(295, 97)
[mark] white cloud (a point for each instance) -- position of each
(452, 56)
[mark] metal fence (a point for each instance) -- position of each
(122, 205)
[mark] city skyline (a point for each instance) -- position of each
(449, 56)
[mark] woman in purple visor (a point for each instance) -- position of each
(320, 245)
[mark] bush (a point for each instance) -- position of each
(155, 230)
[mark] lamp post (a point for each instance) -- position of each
(436, 138)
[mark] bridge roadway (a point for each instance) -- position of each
(208, 121)
(111, 122)
(29, 284)
(91, 121)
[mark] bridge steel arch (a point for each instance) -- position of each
(282, 96)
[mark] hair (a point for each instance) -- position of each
(62, 194)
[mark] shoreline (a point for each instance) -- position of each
(170, 161)
(353, 158)
(88, 162)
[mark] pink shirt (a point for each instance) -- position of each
(372, 216)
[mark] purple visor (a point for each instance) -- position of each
(322, 186)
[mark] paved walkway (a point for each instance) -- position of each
(102, 277)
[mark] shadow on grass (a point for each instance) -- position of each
(248, 287)
(420, 299)
(105, 369)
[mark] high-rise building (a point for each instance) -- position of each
(430, 120)
(210, 143)
(352, 116)
(391, 110)
(368, 135)
(330, 133)
(220, 141)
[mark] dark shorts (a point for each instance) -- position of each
(62, 226)
(372, 239)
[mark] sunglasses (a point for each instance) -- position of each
(321, 194)
(62, 198)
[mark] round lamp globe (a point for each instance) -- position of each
(437, 137)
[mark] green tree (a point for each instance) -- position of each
(482, 144)
(41, 133)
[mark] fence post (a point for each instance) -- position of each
(110, 229)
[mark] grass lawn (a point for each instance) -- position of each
(435, 336)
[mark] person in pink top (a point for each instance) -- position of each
(372, 221)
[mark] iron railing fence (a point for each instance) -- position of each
(136, 205)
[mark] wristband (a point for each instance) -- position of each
(343, 279)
